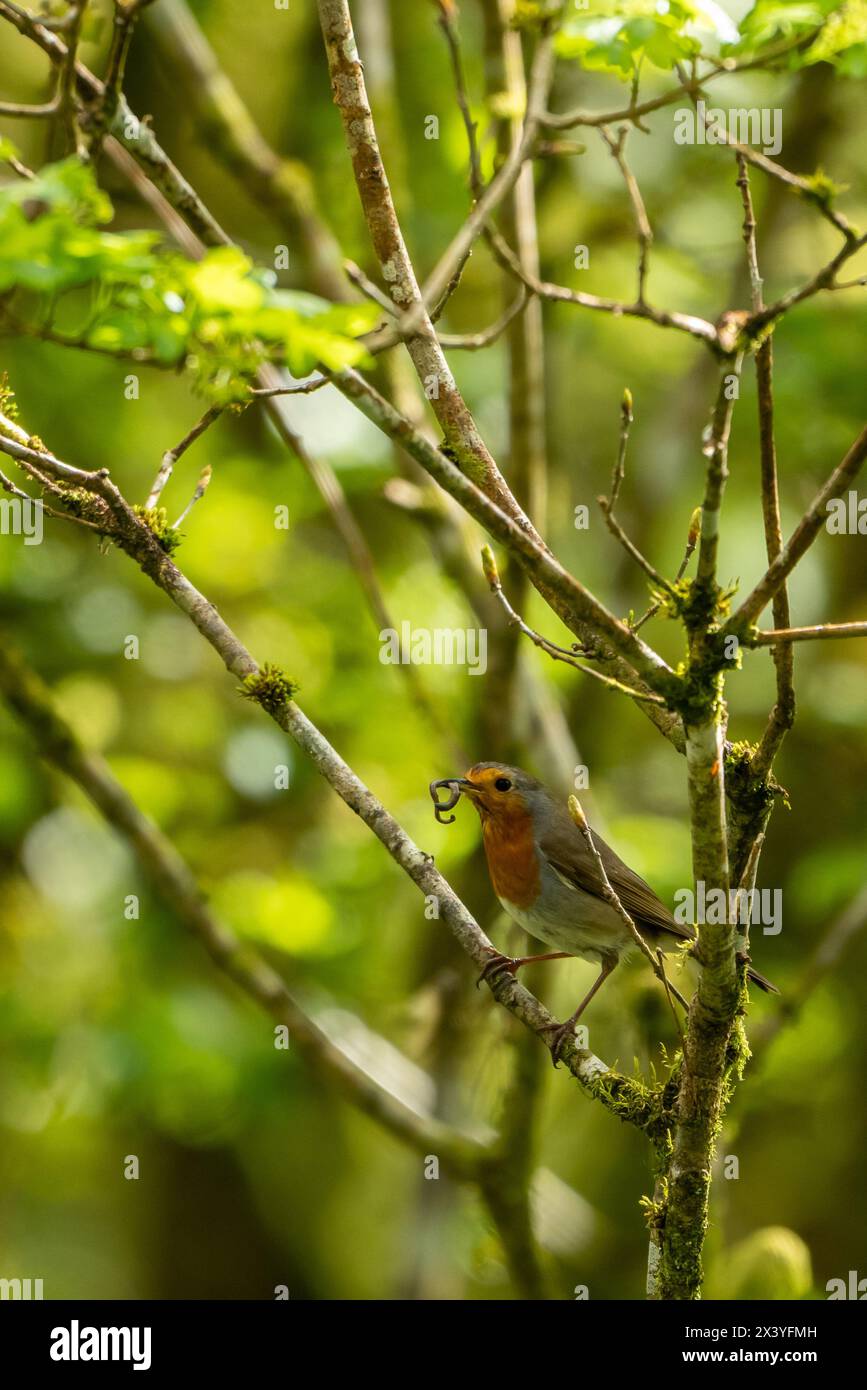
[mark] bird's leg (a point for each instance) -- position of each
(510, 965)
(562, 1031)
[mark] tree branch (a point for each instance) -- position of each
(565, 120)
(800, 541)
(350, 97)
(771, 637)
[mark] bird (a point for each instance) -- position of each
(547, 879)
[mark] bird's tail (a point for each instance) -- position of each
(761, 981)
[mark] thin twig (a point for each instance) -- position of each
(448, 24)
(503, 181)
(171, 456)
(746, 885)
(66, 82)
(200, 490)
(716, 453)
(124, 20)
(8, 486)
(368, 288)
(619, 473)
(801, 539)
(350, 96)
(567, 119)
(300, 388)
(564, 592)
(133, 134)
(691, 543)
(610, 895)
(551, 649)
(769, 637)
(782, 716)
(473, 342)
(607, 504)
(684, 323)
(18, 108)
(643, 229)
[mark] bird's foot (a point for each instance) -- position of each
(500, 965)
(560, 1033)
(510, 965)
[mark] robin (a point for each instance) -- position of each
(547, 879)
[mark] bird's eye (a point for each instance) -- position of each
(502, 784)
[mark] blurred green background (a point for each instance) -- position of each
(117, 1036)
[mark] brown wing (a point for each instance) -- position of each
(566, 851)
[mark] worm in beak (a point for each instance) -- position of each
(454, 784)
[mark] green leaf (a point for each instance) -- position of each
(222, 282)
(619, 35)
(840, 31)
(843, 40)
(771, 21)
(222, 317)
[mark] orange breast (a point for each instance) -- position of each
(512, 860)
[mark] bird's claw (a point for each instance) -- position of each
(561, 1032)
(498, 965)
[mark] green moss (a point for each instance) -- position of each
(672, 603)
(629, 1098)
(760, 335)
(157, 521)
(80, 502)
(754, 796)
(700, 606)
(698, 699)
(738, 1051)
(649, 1106)
(659, 1131)
(270, 688)
(8, 403)
(681, 1271)
(820, 188)
(655, 1208)
(697, 696)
